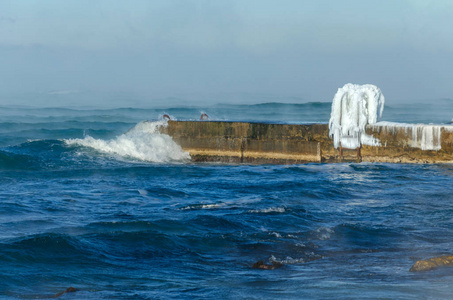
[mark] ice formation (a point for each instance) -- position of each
(425, 137)
(143, 142)
(353, 107)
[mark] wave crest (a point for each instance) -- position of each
(144, 142)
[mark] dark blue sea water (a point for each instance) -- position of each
(96, 199)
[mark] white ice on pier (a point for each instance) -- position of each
(353, 107)
(422, 136)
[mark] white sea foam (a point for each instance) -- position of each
(276, 234)
(203, 206)
(143, 142)
(425, 137)
(287, 261)
(324, 233)
(268, 210)
(353, 107)
(143, 192)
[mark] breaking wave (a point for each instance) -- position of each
(144, 142)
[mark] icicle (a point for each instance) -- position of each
(422, 136)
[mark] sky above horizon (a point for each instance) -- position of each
(127, 53)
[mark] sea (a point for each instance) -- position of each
(98, 200)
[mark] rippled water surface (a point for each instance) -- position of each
(77, 209)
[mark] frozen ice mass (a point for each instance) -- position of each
(353, 107)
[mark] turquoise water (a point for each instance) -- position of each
(90, 200)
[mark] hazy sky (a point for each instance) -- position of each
(133, 52)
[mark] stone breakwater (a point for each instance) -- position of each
(242, 142)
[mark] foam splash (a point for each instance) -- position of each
(353, 107)
(144, 142)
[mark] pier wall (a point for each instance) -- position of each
(410, 143)
(241, 142)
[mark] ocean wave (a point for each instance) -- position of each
(293, 105)
(217, 224)
(279, 105)
(38, 155)
(13, 161)
(46, 248)
(143, 143)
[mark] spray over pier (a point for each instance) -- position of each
(353, 134)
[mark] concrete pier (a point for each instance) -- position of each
(408, 143)
(241, 142)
